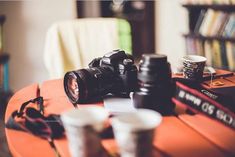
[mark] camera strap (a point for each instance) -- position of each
(201, 100)
(33, 121)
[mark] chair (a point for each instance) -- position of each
(73, 44)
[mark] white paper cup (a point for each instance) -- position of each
(134, 132)
(193, 67)
(82, 128)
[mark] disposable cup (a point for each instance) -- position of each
(134, 132)
(82, 128)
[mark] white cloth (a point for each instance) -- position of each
(73, 44)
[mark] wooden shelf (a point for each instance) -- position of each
(4, 57)
(220, 38)
(223, 7)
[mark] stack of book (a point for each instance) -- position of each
(215, 23)
(209, 2)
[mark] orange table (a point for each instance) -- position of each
(183, 136)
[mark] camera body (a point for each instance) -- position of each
(114, 73)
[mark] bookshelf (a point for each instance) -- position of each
(5, 91)
(212, 33)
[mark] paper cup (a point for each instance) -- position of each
(134, 132)
(193, 67)
(82, 130)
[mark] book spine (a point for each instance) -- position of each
(212, 23)
(208, 52)
(216, 54)
(199, 21)
(202, 103)
(199, 48)
(229, 26)
(223, 55)
(230, 55)
(208, 19)
(223, 25)
(218, 23)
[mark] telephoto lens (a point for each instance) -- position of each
(155, 87)
(113, 73)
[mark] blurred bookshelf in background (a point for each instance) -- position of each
(212, 31)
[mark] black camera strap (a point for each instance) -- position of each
(33, 121)
(201, 100)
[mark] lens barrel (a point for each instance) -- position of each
(87, 84)
(155, 87)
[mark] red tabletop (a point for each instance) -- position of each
(185, 135)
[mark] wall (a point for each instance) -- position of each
(28, 21)
(171, 22)
(25, 29)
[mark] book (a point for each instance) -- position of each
(198, 99)
(191, 46)
(230, 48)
(223, 25)
(223, 55)
(199, 47)
(218, 23)
(208, 52)
(207, 22)
(199, 21)
(216, 54)
(212, 23)
(229, 26)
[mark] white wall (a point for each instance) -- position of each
(25, 29)
(171, 22)
(28, 21)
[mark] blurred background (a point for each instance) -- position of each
(157, 27)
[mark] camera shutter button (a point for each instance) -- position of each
(127, 62)
(98, 75)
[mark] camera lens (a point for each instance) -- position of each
(154, 84)
(88, 84)
(72, 86)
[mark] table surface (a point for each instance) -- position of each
(183, 135)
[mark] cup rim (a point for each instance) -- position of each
(85, 116)
(123, 121)
(200, 58)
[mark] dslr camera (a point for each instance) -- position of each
(113, 73)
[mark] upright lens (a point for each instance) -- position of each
(155, 87)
